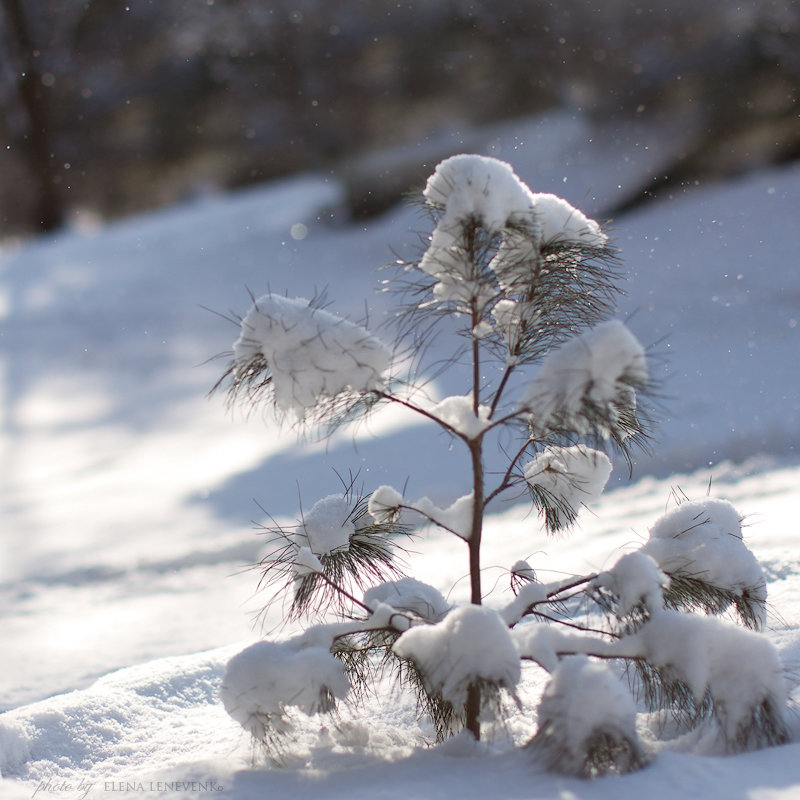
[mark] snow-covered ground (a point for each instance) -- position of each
(126, 494)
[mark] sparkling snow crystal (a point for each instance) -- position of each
(308, 352)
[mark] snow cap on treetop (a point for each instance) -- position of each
(475, 186)
(488, 190)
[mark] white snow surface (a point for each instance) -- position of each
(126, 496)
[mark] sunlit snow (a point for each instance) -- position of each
(128, 496)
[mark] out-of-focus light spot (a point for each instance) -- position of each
(298, 231)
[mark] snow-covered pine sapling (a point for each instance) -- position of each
(525, 284)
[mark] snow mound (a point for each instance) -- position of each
(148, 717)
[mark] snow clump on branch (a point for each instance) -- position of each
(267, 677)
(588, 377)
(384, 504)
(305, 353)
(635, 580)
(563, 479)
(409, 594)
(328, 526)
(702, 542)
(587, 721)
(472, 644)
(738, 669)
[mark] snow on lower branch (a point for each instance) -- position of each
(702, 541)
(737, 668)
(587, 721)
(261, 681)
(471, 644)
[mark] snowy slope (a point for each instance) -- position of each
(160, 722)
(126, 494)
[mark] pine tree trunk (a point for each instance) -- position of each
(473, 705)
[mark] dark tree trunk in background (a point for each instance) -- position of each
(37, 144)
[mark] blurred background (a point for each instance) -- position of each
(110, 108)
